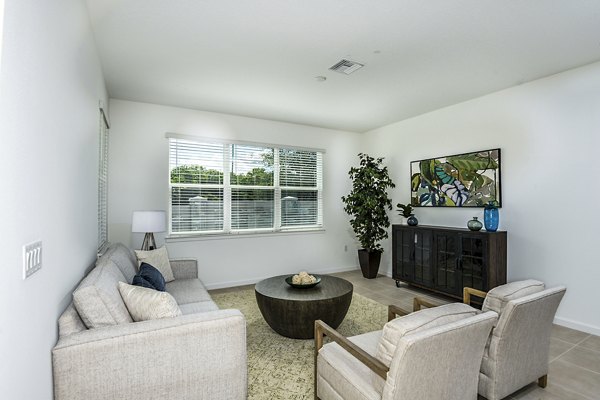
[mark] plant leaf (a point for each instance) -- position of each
(415, 181)
(472, 162)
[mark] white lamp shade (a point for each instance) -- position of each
(149, 221)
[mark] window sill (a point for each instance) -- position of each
(174, 238)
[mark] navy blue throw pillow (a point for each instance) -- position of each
(139, 281)
(152, 276)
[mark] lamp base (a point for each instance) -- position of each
(149, 243)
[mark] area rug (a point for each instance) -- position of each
(282, 368)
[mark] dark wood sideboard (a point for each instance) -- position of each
(445, 260)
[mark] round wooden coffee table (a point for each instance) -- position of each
(292, 312)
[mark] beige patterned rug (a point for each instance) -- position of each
(282, 368)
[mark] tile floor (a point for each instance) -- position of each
(574, 356)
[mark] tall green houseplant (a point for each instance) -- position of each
(367, 204)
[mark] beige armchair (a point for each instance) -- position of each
(517, 352)
(428, 355)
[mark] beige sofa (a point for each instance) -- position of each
(198, 355)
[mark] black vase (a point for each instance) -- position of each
(412, 220)
(369, 262)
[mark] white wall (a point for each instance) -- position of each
(549, 133)
(138, 180)
(50, 86)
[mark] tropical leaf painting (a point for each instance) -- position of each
(462, 180)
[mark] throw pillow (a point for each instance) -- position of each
(159, 259)
(140, 281)
(148, 275)
(145, 304)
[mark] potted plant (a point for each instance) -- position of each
(406, 211)
(366, 204)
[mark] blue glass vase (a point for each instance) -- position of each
(491, 219)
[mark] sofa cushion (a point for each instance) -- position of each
(97, 298)
(497, 298)
(394, 330)
(150, 275)
(187, 291)
(70, 322)
(198, 307)
(123, 257)
(159, 259)
(341, 376)
(145, 304)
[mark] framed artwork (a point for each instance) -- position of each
(460, 180)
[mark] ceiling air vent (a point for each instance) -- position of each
(346, 67)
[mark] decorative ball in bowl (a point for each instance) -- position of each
(303, 280)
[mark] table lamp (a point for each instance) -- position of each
(148, 222)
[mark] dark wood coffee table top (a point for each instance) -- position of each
(292, 312)
(277, 288)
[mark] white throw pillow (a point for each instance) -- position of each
(145, 304)
(159, 259)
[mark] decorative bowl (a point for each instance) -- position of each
(288, 280)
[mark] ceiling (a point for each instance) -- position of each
(259, 58)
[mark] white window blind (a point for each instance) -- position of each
(239, 187)
(197, 186)
(301, 177)
(103, 182)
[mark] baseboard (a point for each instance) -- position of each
(386, 273)
(252, 281)
(580, 326)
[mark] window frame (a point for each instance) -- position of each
(228, 187)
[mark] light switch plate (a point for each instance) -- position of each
(32, 258)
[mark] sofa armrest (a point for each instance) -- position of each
(184, 268)
(200, 356)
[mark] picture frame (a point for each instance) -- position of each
(460, 180)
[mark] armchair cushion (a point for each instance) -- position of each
(498, 297)
(397, 328)
(341, 376)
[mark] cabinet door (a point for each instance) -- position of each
(447, 262)
(403, 246)
(473, 262)
(422, 257)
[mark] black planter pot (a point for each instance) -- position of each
(369, 262)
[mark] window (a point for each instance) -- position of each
(243, 187)
(103, 182)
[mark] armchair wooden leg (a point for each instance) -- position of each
(543, 381)
(318, 345)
